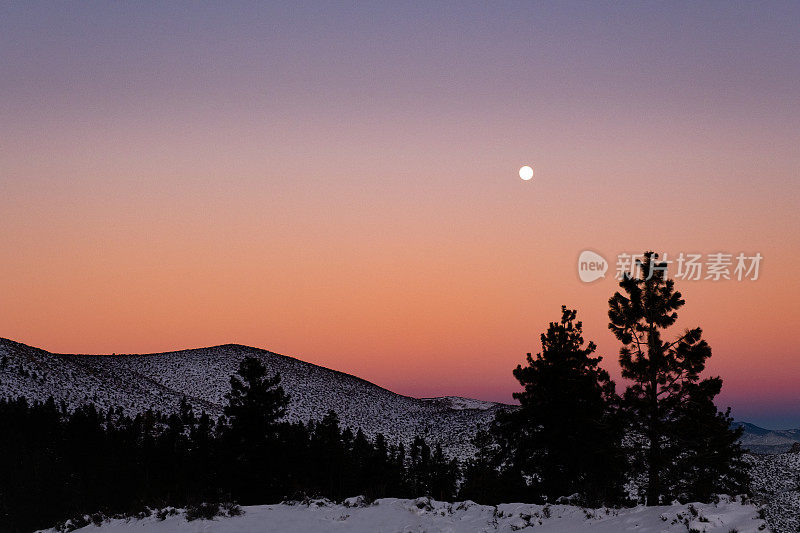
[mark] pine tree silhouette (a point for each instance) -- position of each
(667, 402)
(566, 434)
(256, 404)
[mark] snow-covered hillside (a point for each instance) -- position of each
(776, 485)
(424, 515)
(158, 381)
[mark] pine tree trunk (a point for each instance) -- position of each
(653, 456)
(654, 453)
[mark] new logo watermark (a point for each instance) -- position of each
(591, 266)
(715, 266)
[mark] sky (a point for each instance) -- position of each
(338, 182)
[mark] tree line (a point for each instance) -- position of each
(573, 436)
(57, 463)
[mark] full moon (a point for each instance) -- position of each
(526, 173)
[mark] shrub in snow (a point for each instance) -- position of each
(162, 514)
(424, 504)
(202, 511)
(356, 501)
(466, 504)
(78, 522)
(73, 523)
(230, 509)
(208, 511)
(572, 499)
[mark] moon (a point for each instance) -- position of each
(526, 173)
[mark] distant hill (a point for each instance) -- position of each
(759, 440)
(159, 381)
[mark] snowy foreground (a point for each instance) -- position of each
(424, 515)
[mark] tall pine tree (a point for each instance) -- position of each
(672, 409)
(256, 404)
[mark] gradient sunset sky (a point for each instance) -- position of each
(338, 182)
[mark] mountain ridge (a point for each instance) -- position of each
(158, 381)
(767, 441)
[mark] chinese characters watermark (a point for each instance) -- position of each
(685, 266)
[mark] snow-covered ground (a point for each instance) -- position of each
(424, 515)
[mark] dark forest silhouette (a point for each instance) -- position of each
(57, 464)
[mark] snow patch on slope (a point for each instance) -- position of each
(459, 403)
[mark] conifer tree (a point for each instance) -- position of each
(419, 467)
(568, 429)
(256, 404)
(328, 452)
(667, 401)
(489, 477)
(444, 475)
(565, 437)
